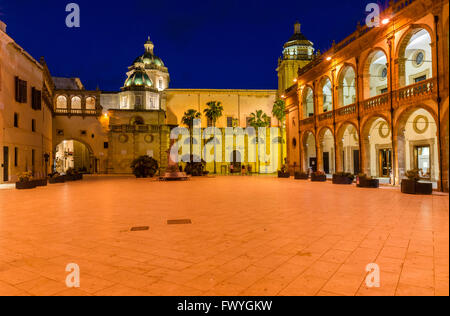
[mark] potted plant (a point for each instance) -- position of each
(56, 178)
(343, 178)
(299, 175)
(144, 167)
(41, 182)
(25, 181)
(363, 181)
(195, 167)
(284, 172)
(412, 185)
(318, 176)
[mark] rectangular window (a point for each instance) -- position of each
(383, 91)
(33, 157)
(21, 90)
(421, 78)
(105, 145)
(16, 156)
(83, 133)
(36, 99)
(229, 121)
(16, 120)
(33, 125)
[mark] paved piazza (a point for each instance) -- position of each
(249, 236)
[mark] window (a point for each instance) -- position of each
(105, 145)
(419, 59)
(36, 99)
(33, 125)
(160, 84)
(16, 156)
(16, 120)
(384, 73)
(83, 133)
(421, 78)
(76, 103)
(21, 90)
(60, 132)
(383, 91)
(229, 121)
(90, 103)
(61, 102)
(33, 157)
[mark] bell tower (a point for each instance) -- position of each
(298, 51)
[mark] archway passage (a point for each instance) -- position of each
(378, 154)
(418, 145)
(415, 57)
(72, 154)
(347, 87)
(327, 151)
(309, 150)
(348, 149)
(376, 74)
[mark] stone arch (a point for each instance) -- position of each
(308, 149)
(82, 158)
(61, 101)
(375, 65)
(137, 120)
(90, 103)
(376, 141)
(347, 148)
(408, 70)
(76, 102)
(326, 154)
(346, 91)
(414, 136)
(325, 94)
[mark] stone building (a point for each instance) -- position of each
(25, 114)
(377, 102)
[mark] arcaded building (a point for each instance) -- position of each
(377, 102)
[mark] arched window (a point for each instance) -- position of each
(347, 87)
(76, 103)
(415, 58)
(90, 103)
(326, 96)
(375, 75)
(308, 103)
(61, 102)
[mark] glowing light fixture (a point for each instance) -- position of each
(328, 58)
(385, 21)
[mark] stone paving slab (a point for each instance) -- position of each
(247, 236)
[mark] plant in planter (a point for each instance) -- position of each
(56, 178)
(284, 172)
(318, 176)
(301, 175)
(412, 185)
(196, 168)
(41, 182)
(363, 181)
(25, 181)
(343, 178)
(144, 167)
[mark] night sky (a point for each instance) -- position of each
(205, 44)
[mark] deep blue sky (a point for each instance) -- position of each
(205, 44)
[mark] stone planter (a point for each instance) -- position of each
(337, 179)
(318, 178)
(284, 175)
(59, 179)
(78, 177)
(368, 183)
(414, 187)
(41, 182)
(301, 176)
(25, 185)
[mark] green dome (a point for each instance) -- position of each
(149, 59)
(139, 78)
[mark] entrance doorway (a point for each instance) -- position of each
(326, 162)
(5, 164)
(385, 163)
(313, 164)
(422, 161)
(75, 155)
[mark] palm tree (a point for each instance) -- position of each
(213, 112)
(188, 119)
(258, 119)
(279, 111)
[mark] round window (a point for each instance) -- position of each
(384, 73)
(420, 57)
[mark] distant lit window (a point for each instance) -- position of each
(61, 102)
(90, 103)
(76, 103)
